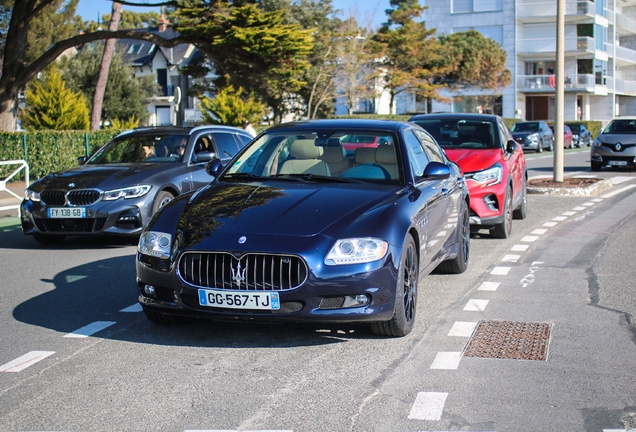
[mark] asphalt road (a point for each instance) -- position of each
(77, 355)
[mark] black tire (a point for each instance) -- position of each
(163, 197)
(459, 264)
(522, 211)
(595, 167)
(540, 147)
(161, 318)
(504, 229)
(49, 239)
(551, 146)
(405, 295)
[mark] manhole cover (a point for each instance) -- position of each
(509, 340)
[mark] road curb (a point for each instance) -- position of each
(592, 190)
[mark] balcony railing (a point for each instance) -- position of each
(548, 9)
(548, 45)
(626, 23)
(547, 83)
(622, 53)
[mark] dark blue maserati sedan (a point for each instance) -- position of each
(296, 228)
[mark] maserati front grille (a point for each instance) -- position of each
(252, 272)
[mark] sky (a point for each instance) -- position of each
(365, 10)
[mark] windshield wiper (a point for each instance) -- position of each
(242, 176)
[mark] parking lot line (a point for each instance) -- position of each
(25, 361)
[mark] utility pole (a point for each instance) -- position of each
(559, 89)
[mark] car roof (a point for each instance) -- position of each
(467, 116)
(349, 124)
(185, 130)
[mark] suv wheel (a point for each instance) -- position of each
(504, 229)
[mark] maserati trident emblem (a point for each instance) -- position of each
(618, 146)
(242, 239)
(238, 274)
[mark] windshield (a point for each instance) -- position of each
(621, 127)
(313, 155)
(141, 148)
(525, 127)
(460, 133)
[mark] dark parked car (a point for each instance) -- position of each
(615, 146)
(533, 135)
(581, 136)
(278, 236)
(493, 163)
(118, 188)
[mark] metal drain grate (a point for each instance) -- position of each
(509, 340)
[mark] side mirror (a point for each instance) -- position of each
(204, 156)
(436, 171)
(82, 160)
(511, 146)
(214, 167)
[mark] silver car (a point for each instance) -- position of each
(125, 182)
(615, 146)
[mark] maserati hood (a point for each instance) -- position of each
(277, 208)
(474, 160)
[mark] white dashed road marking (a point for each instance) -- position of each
(428, 406)
(529, 239)
(462, 329)
(476, 305)
(134, 308)
(550, 224)
(446, 360)
(500, 271)
(488, 286)
(511, 258)
(90, 329)
(519, 248)
(25, 361)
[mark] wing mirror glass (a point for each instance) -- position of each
(214, 167)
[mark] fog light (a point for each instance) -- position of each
(491, 202)
(149, 290)
(356, 301)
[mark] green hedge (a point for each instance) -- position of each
(49, 151)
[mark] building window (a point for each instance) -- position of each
(493, 32)
(162, 80)
(469, 6)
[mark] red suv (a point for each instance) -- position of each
(492, 162)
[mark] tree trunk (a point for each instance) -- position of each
(102, 79)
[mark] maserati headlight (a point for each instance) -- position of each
(130, 192)
(489, 176)
(356, 251)
(32, 195)
(156, 244)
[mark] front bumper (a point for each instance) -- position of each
(316, 300)
(605, 156)
(119, 217)
(486, 204)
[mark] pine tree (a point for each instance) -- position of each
(50, 105)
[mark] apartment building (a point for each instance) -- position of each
(600, 56)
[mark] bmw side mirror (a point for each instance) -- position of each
(436, 171)
(82, 160)
(214, 167)
(511, 146)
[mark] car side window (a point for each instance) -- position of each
(433, 150)
(504, 132)
(227, 146)
(417, 155)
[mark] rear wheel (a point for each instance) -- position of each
(522, 211)
(405, 295)
(504, 229)
(459, 264)
(551, 146)
(49, 239)
(540, 147)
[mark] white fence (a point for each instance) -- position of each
(22, 165)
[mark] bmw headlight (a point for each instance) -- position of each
(356, 251)
(155, 244)
(130, 192)
(488, 176)
(32, 195)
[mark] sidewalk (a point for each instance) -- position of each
(7, 199)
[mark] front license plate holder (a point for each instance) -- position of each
(66, 212)
(617, 163)
(239, 299)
